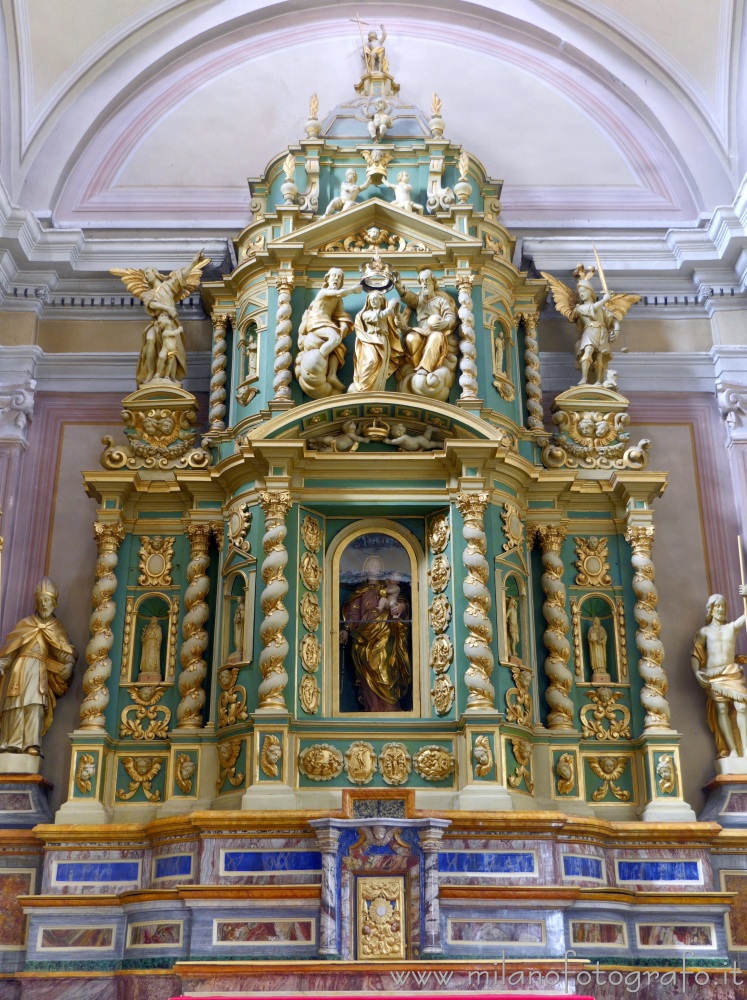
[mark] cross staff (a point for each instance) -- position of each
(363, 44)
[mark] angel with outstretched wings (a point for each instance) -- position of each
(597, 321)
(163, 354)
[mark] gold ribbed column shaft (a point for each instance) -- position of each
(532, 373)
(218, 374)
(194, 633)
(560, 678)
(467, 349)
(283, 341)
(477, 649)
(275, 505)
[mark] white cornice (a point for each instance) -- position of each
(681, 372)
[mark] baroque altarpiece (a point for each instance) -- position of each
(371, 644)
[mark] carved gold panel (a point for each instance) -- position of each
(381, 918)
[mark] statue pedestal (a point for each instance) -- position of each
(726, 800)
(731, 765)
(23, 799)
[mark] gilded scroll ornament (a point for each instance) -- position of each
(442, 653)
(146, 707)
(311, 571)
(522, 751)
(320, 762)
(482, 756)
(442, 694)
(311, 534)
(232, 700)
(438, 574)
(565, 772)
(239, 522)
(438, 536)
(309, 694)
(439, 613)
(374, 238)
(84, 773)
(604, 708)
(361, 762)
(519, 697)
(311, 652)
(513, 528)
(184, 771)
(395, 763)
(592, 562)
(155, 561)
(477, 614)
(593, 439)
(609, 770)
(381, 921)
(270, 755)
(311, 614)
(228, 755)
(434, 763)
(142, 771)
(666, 775)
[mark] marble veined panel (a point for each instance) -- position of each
(495, 863)
(243, 862)
(93, 872)
(583, 866)
(173, 866)
(12, 919)
(660, 871)
(277, 932)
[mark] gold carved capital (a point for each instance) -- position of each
(285, 282)
(551, 536)
(220, 320)
(276, 504)
(472, 506)
(108, 536)
(530, 321)
(199, 537)
(640, 537)
(464, 279)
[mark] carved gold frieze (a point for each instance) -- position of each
(228, 754)
(442, 694)
(311, 614)
(375, 238)
(311, 652)
(593, 440)
(311, 534)
(309, 694)
(310, 571)
(438, 574)
(320, 762)
(434, 763)
(395, 763)
(438, 536)
(439, 613)
(142, 771)
(84, 772)
(270, 755)
(592, 563)
(184, 771)
(565, 772)
(155, 561)
(522, 751)
(604, 708)
(442, 653)
(361, 762)
(482, 756)
(513, 527)
(239, 522)
(381, 918)
(519, 697)
(232, 700)
(609, 770)
(146, 707)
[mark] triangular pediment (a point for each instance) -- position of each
(376, 225)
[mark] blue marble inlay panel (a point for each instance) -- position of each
(582, 866)
(487, 863)
(658, 871)
(173, 865)
(96, 871)
(243, 862)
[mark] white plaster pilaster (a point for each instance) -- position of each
(730, 368)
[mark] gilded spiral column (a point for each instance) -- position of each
(467, 350)
(532, 374)
(95, 691)
(477, 615)
(655, 704)
(560, 678)
(283, 341)
(194, 633)
(218, 375)
(272, 658)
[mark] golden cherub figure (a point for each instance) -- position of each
(597, 320)
(163, 354)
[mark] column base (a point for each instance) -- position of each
(89, 812)
(483, 798)
(263, 798)
(668, 811)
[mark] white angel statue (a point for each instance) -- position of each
(163, 354)
(597, 321)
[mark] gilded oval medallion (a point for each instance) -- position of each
(311, 652)
(395, 763)
(360, 762)
(320, 762)
(311, 571)
(439, 613)
(439, 574)
(438, 538)
(311, 533)
(434, 763)
(311, 614)
(442, 653)
(442, 694)
(308, 694)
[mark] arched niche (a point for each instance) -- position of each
(514, 635)
(149, 653)
(238, 617)
(373, 611)
(596, 633)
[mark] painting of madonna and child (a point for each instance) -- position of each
(375, 608)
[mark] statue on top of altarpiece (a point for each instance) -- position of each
(163, 354)
(36, 664)
(597, 321)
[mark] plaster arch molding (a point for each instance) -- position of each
(122, 117)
